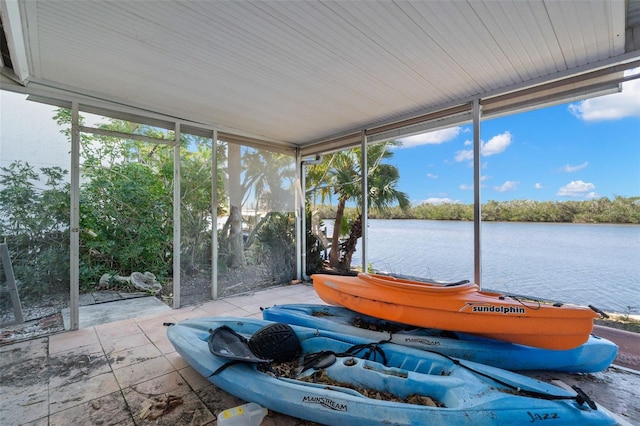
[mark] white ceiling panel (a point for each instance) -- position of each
(299, 72)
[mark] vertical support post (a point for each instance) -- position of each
(214, 216)
(176, 218)
(365, 199)
(302, 194)
(11, 283)
(74, 225)
(301, 218)
(477, 200)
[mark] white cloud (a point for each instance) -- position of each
(577, 188)
(611, 107)
(510, 185)
(436, 200)
(538, 185)
(432, 176)
(432, 138)
(569, 168)
(464, 155)
(466, 187)
(495, 145)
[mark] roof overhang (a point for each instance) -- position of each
(315, 76)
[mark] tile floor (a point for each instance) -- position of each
(108, 374)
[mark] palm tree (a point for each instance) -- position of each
(262, 178)
(342, 172)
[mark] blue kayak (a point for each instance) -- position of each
(593, 356)
(348, 380)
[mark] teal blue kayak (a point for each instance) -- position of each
(338, 379)
(595, 355)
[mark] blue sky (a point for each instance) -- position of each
(576, 151)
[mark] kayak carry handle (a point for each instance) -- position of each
(457, 283)
(599, 311)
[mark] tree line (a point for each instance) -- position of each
(620, 210)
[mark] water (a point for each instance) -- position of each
(573, 263)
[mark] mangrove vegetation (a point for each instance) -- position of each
(620, 210)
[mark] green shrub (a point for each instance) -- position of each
(125, 215)
(35, 224)
(275, 249)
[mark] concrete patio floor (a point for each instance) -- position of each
(107, 374)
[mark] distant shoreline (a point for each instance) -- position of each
(619, 211)
(620, 321)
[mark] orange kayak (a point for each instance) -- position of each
(460, 307)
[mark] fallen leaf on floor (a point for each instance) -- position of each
(159, 406)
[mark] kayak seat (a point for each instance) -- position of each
(277, 342)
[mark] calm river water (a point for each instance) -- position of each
(573, 263)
